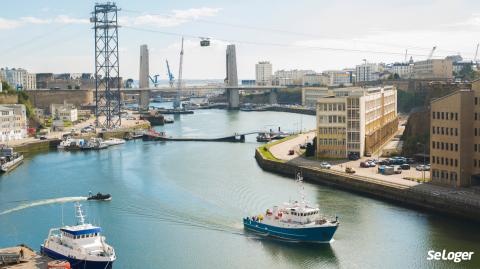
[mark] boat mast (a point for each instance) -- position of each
(301, 191)
(79, 214)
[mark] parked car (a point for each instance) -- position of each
(398, 170)
(303, 146)
(405, 166)
(325, 165)
(353, 156)
(384, 162)
(410, 160)
(364, 165)
(368, 154)
(43, 137)
(291, 152)
(350, 170)
(371, 163)
(422, 167)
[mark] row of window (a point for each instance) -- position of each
(444, 130)
(445, 161)
(444, 115)
(333, 152)
(444, 146)
(80, 236)
(332, 142)
(332, 107)
(436, 174)
(331, 130)
(476, 163)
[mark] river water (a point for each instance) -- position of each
(180, 205)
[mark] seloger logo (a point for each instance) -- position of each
(449, 256)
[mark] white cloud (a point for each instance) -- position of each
(176, 17)
(25, 21)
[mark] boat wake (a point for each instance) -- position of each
(43, 202)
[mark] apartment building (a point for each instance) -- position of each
(355, 120)
(441, 69)
(66, 112)
(13, 122)
(263, 73)
(367, 72)
(315, 80)
(455, 138)
(18, 78)
(338, 78)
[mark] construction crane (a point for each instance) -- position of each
(176, 102)
(170, 75)
(154, 80)
(431, 52)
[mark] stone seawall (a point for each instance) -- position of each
(292, 110)
(8, 99)
(410, 196)
(44, 98)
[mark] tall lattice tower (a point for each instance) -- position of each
(107, 78)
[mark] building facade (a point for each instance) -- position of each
(403, 70)
(18, 78)
(440, 69)
(13, 122)
(315, 80)
(66, 112)
(310, 95)
(291, 77)
(143, 79)
(338, 78)
(367, 72)
(455, 138)
(263, 73)
(355, 121)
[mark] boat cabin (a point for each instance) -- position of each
(301, 215)
(79, 232)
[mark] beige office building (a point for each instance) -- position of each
(355, 120)
(433, 69)
(13, 122)
(455, 138)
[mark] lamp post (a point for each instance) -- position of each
(424, 159)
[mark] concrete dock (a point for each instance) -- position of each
(29, 260)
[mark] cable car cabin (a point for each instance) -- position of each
(205, 43)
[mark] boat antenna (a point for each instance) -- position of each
(299, 180)
(79, 214)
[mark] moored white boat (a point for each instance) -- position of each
(82, 245)
(114, 141)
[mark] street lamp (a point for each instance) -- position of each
(424, 157)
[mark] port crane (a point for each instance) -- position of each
(177, 102)
(154, 80)
(170, 75)
(431, 52)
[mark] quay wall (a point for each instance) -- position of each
(39, 145)
(408, 196)
(292, 110)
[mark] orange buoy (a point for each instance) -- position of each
(58, 264)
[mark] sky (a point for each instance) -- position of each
(56, 36)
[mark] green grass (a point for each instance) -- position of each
(418, 179)
(264, 150)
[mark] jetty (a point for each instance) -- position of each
(240, 138)
(22, 257)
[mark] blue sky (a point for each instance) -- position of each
(55, 36)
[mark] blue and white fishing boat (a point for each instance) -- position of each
(294, 221)
(82, 245)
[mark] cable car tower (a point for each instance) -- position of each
(107, 70)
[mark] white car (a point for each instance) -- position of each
(325, 165)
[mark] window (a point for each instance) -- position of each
(443, 115)
(456, 162)
(456, 132)
(433, 114)
(456, 147)
(433, 129)
(456, 116)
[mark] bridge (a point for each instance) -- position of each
(232, 92)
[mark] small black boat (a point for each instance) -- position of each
(99, 196)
